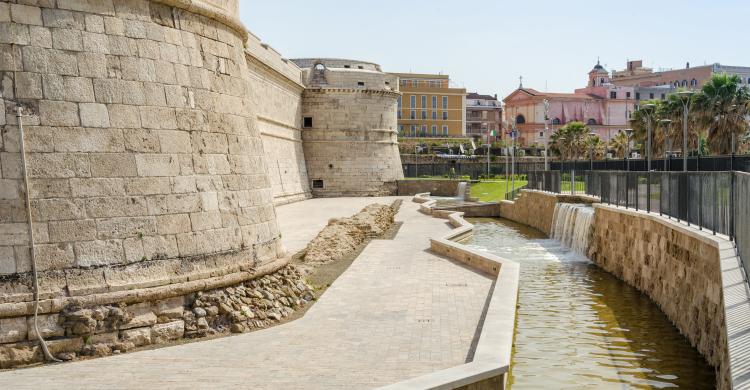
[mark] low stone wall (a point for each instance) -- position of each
(537, 208)
(678, 267)
(434, 187)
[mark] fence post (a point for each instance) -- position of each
(637, 198)
(716, 198)
(648, 191)
(731, 203)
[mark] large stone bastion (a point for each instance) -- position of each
(145, 166)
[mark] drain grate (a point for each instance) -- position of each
(456, 285)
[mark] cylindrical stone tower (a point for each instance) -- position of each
(349, 128)
(145, 166)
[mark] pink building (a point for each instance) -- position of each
(603, 106)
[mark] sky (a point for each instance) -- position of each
(485, 46)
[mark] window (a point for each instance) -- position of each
(347, 66)
(591, 121)
(613, 94)
(541, 134)
(317, 184)
(445, 115)
(424, 101)
(399, 101)
(520, 119)
(445, 102)
(413, 114)
(413, 101)
(360, 67)
(434, 130)
(307, 122)
(684, 83)
(663, 96)
(424, 131)
(601, 81)
(401, 129)
(556, 121)
(413, 130)
(360, 83)
(424, 114)
(694, 82)
(398, 113)
(627, 95)
(434, 115)
(445, 130)
(404, 83)
(637, 96)
(651, 95)
(414, 83)
(434, 102)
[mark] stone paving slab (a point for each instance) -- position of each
(398, 312)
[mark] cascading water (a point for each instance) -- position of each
(461, 195)
(571, 225)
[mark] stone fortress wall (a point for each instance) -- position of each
(159, 135)
(350, 143)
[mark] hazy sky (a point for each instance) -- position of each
(485, 45)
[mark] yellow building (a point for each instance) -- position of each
(429, 107)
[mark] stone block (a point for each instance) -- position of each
(125, 116)
(13, 329)
(67, 39)
(162, 333)
(141, 315)
(103, 7)
(10, 189)
(208, 143)
(173, 204)
(158, 118)
(175, 141)
(133, 248)
(28, 85)
(147, 186)
(170, 308)
(113, 26)
(173, 223)
(154, 94)
(138, 336)
(104, 338)
(57, 209)
(40, 36)
(58, 113)
(73, 230)
(184, 184)
(95, 42)
(92, 65)
(113, 165)
(26, 14)
(7, 260)
(157, 165)
(58, 165)
(61, 18)
(78, 139)
(4, 12)
(94, 115)
(94, 23)
(124, 227)
(54, 256)
(97, 187)
(98, 253)
(74, 89)
(11, 165)
(48, 326)
(161, 247)
(116, 206)
(135, 68)
(205, 220)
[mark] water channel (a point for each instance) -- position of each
(579, 327)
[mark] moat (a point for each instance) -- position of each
(578, 326)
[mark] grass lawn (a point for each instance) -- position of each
(580, 187)
(493, 191)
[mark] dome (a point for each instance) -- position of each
(599, 68)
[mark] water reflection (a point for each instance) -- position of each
(578, 327)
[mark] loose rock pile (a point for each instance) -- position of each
(254, 304)
(343, 235)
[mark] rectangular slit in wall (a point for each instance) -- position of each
(317, 183)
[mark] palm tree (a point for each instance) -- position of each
(639, 122)
(619, 144)
(672, 109)
(570, 141)
(722, 108)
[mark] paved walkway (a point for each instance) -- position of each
(396, 313)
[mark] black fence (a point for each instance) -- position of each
(511, 195)
(478, 169)
(718, 202)
(475, 170)
(695, 163)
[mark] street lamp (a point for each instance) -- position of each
(648, 113)
(685, 97)
(546, 128)
(560, 142)
(665, 123)
(628, 134)
(591, 150)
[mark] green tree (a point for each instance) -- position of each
(570, 141)
(721, 108)
(619, 144)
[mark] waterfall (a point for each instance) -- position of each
(461, 191)
(571, 224)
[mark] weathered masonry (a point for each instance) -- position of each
(158, 137)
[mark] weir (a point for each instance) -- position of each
(572, 225)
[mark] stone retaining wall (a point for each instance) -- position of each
(537, 208)
(434, 187)
(676, 266)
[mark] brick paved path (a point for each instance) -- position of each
(396, 313)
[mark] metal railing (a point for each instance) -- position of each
(512, 195)
(673, 164)
(718, 202)
(474, 169)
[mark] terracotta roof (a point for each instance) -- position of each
(474, 95)
(534, 92)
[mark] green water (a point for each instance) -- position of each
(579, 327)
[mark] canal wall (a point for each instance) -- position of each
(678, 267)
(537, 208)
(434, 187)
